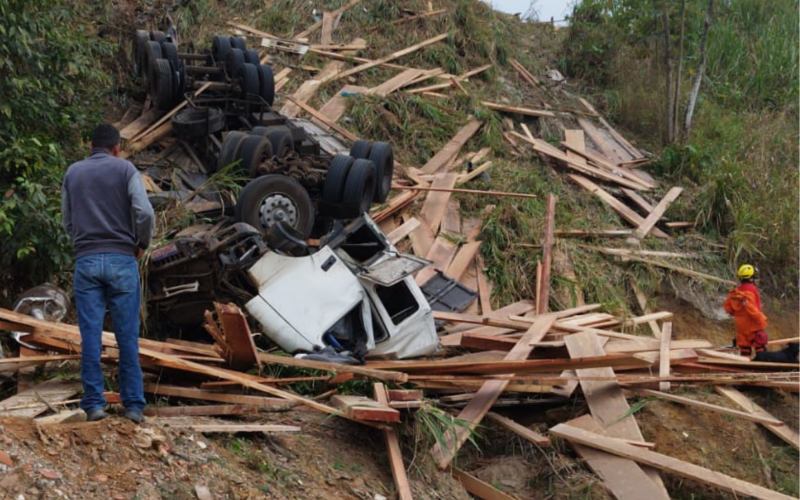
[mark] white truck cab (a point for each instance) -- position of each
(356, 294)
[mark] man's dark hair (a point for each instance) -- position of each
(105, 136)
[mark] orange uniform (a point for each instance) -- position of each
(745, 306)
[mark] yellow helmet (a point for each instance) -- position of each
(746, 271)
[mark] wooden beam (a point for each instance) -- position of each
(450, 150)
(383, 375)
(396, 82)
(234, 428)
(401, 232)
(476, 409)
(390, 57)
(241, 348)
(520, 430)
(524, 73)
(220, 397)
(518, 111)
(543, 299)
(622, 209)
(393, 451)
(484, 292)
(605, 163)
(199, 411)
(318, 117)
(436, 203)
(663, 362)
(464, 178)
(467, 191)
(480, 489)
(651, 220)
(326, 36)
(679, 269)
(745, 415)
(782, 431)
(463, 258)
(669, 464)
(362, 408)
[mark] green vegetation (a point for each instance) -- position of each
(48, 102)
(740, 159)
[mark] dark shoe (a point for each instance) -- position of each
(135, 416)
(96, 414)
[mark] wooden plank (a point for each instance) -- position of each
(517, 110)
(200, 411)
(642, 300)
(619, 207)
(476, 487)
(524, 73)
(436, 203)
(679, 269)
(607, 402)
(638, 200)
(460, 78)
(399, 233)
(234, 428)
(31, 402)
(623, 477)
(404, 394)
(483, 320)
(450, 150)
(316, 116)
(520, 430)
(404, 20)
(326, 36)
(401, 483)
(663, 362)
(62, 417)
(602, 233)
(484, 293)
(543, 298)
(395, 205)
(651, 220)
(220, 397)
(476, 409)
(421, 239)
(362, 408)
(337, 105)
(522, 307)
(466, 191)
(451, 222)
(138, 125)
(745, 415)
(485, 342)
(669, 464)
(458, 266)
(383, 375)
(241, 348)
(605, 163)
(782, 431)
(396, 82)
(615, 153)
(464, 178)
(390, 57)
(441, 254)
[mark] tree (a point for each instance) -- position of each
(698, 77)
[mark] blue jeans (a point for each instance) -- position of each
(109, 280)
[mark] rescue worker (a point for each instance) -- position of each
(744, 304)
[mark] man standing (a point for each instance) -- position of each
(109, 218)
(744, 304)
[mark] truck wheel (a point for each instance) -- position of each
(266, 80)
(360, 187)
(281, 139)
(197, 122)
(230, 148)
(238, 42)
(158, 36)
(248, 76)
(139, 53)
(220, 46)
(152, 51)
(333, 190)
(234, 62)
(253, 151)
(251, 56)
(161, 84)
(383, 158)
(273, 198)
(360, 149)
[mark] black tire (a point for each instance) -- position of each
(281, 139)
(158, 36)
(248, 78)
(229, 151)
(251, 56)
(253, 151)
(152, 51)
(360, 149)
(220, 46)
(238, 42)
(333, 189)
(360, 187)
(266, 80)
(234, 62)
(139, 53)
(382, 156)
(260, 131)
(169, 51)
(271, 198)
(161, 84)
(197, 122)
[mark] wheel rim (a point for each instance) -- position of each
(276, 208)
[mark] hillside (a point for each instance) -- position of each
(686, 272)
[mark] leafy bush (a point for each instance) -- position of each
(48, 96)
